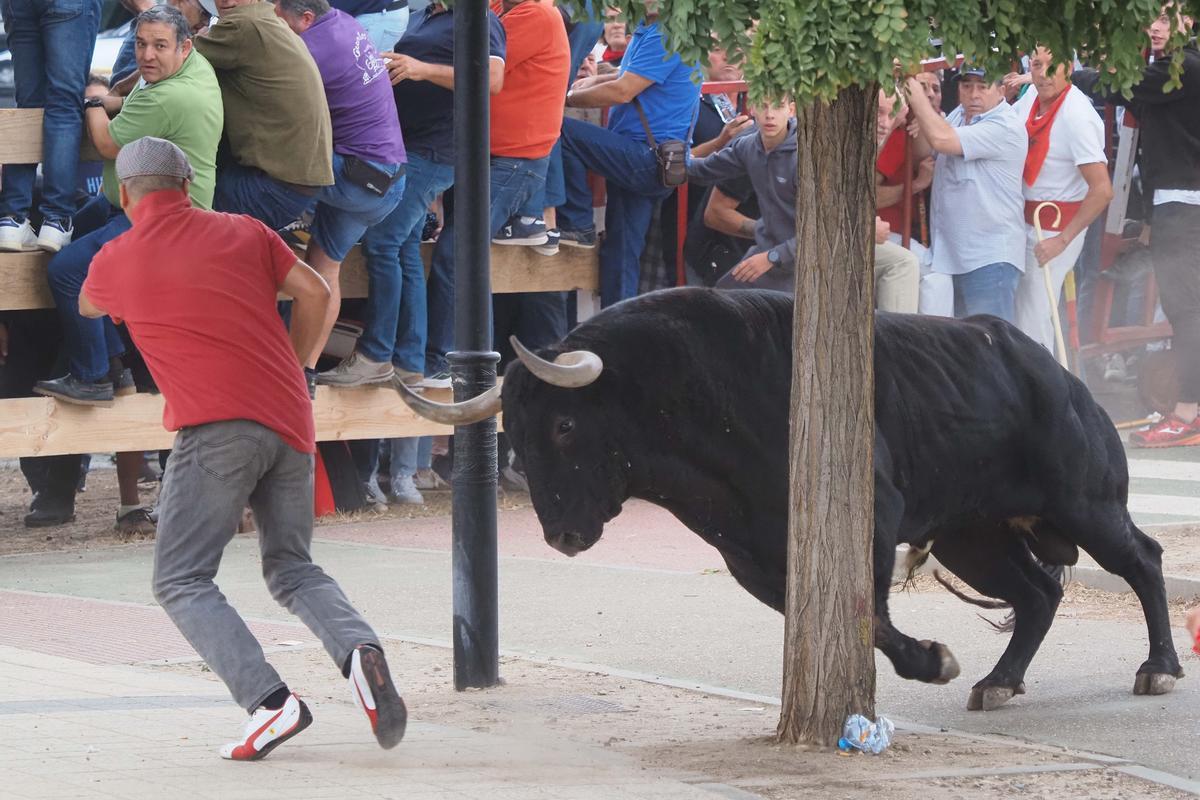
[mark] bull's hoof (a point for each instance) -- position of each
(948, 669)
(1153, 683)
(989, 698)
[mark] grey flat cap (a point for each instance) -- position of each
(152, 156)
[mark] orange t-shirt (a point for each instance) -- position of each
(527, 113)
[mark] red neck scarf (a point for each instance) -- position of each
(1038, 129)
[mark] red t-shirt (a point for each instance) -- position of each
(890, 164)
(197, 290)
(527, 114)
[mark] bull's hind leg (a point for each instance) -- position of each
(994, 561)
(1121, 548)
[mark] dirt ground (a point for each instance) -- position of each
(700, 738)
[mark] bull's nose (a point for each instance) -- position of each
(569, 544)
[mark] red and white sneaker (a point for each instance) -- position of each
(269, 728)
(1171, 432)
(373, 690)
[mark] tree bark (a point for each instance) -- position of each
(829, 663)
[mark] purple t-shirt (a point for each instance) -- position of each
(361, 105)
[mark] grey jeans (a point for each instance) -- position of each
(213, 472)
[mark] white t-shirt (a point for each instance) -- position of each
(1076, 138)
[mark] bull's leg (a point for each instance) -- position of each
(995, 562)
(1121, 548)
(926, 661)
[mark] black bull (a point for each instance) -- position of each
(984, 447)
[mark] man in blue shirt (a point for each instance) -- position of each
(667, 93)
(978, 214)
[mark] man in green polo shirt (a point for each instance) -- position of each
(180, 101)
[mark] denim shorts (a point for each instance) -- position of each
(345, 210)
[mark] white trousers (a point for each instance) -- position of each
(1033, 306)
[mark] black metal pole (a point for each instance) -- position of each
(473, 364)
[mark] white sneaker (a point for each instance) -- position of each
(404, 492)
(53, 236)
(17, 237)
(267, 729)
(440, 380)
(374, 693)
(356, 370)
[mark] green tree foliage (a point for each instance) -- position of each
(812, 49)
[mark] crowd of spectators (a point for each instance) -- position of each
(335, 118)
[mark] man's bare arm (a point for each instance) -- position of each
(310, 298)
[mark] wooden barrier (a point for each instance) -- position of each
(42, 426)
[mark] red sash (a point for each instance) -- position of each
(1038, 129)
(1069, 209)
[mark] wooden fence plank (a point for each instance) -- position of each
(514, 269)
(21, 137)
(43, 427)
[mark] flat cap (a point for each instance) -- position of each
(152, 156)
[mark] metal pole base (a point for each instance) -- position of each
(473, 539)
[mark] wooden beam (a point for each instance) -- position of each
(21, 137)
(43, 427)
(514, 269)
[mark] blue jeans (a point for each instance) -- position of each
(51, 43)
(345, 210)
(385, 27)
(991, 289)
(514, 181)
(90, 343)
(249, 190)
(126, 61)
(395, 316)
(631, 172)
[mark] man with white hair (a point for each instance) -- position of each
(246, 435)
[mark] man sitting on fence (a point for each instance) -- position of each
(197, 290)
(180, 102)
(277, 121)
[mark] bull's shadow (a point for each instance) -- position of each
(987, 454)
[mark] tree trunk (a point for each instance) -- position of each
(829, 662)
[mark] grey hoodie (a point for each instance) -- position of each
(774, 177)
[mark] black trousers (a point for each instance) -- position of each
(33, 344)
(1175, 250)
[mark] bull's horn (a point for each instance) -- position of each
(465, 413)
(571, 370)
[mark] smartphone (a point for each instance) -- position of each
(725, 108)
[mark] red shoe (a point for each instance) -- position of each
(1171, 432)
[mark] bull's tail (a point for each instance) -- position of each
(1056, 571)
(913, 560)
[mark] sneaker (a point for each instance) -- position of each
(70, 389)
(48, 517)
(356, 370)
(522, 230)
(375, 496)
(55, 234)
(403, 376)
(310, 377)
(267, 729)
(426, 480)
(135, 523)
(440, 380)
(585, 238)
(16, 235)
(550, 248)
(513, 480)
(373, 690)
(1171, 432)
(404, 492)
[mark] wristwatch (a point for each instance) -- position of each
(773, 257)
(93, 102)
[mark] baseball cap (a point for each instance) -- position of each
(978, 72)
(152, 156)
(210, 6)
